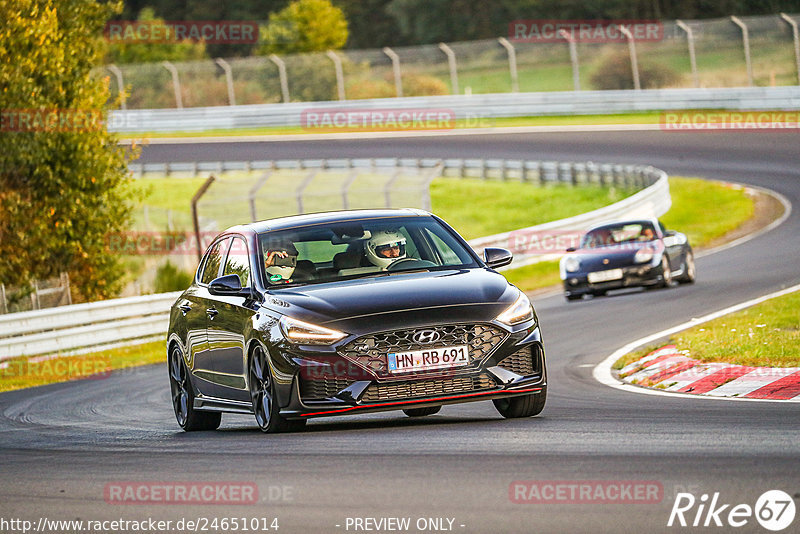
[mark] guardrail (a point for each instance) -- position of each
(104, 324)
(463, 107)
(83, 327)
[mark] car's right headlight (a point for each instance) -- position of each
(643, 255)
(519, 312)
(304, 333)
(571, 264)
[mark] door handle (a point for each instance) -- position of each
(212, 312)
(185, 308)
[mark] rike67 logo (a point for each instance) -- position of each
(774, 510)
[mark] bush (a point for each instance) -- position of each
(421, 85)
(363, 89)
(170, 278)
(613, 71)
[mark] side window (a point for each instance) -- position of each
(238, 261)
(213, 262)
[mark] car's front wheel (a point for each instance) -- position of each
(522, 406)
(188, 418)
(666, 272)
(262, 394)
(689, 269)
(422, 412)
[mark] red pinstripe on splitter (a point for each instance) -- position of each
(714, 380)
(785, 388)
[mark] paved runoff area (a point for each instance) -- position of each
(669, 369)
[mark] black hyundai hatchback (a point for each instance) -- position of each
(349, 312)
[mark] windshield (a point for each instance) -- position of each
(616, 234)
(344, 250)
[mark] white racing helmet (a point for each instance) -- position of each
(379, 248)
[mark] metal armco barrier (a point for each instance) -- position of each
(94, 325)
(472, 107)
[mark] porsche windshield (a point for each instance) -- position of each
(617, 234)
(342, 250)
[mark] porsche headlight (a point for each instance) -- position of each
(571, 264)
(304, 333)
(643, 255)
(519, 312)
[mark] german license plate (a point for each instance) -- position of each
(605, 276)
(425, 359)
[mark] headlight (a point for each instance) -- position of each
(571, 264)
(643, 255)
(304, 333)
(519, 312)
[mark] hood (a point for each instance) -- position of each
(439, 296)
(612, 257)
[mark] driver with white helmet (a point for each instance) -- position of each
(385, 247)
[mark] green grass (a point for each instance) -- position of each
(702, 209)
(766, 335)
(478, 208)
(706, 210)
(22, 373)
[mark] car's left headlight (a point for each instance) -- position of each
(298, 331)
(519, 312)
(643, 255)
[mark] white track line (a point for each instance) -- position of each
(602, 371)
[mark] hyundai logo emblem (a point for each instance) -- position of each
(425, 337)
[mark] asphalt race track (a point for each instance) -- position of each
(61, 444)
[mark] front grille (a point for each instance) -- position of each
(426, 388)
(523, 362)
(370, 351)
(322, 388)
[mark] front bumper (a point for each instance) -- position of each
(634, 276)
(515, 367)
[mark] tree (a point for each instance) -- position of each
(304, 26)
(63, 184)
(145, 52)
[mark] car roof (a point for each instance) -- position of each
(607, 224)
(325, 217)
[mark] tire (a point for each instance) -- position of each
(422, 412)
(666, 276)
(689, 271)
(182, 392)
(599, 293)
(522, 406)
(262, 395)
(573, 297)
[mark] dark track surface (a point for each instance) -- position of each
(61, 444)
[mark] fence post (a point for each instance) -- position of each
(573, 57)
(195, 219)
(634, 60)
(796, 40)
(65, 282)
(398, 82)
(302, 188)
(228, 79)
(176, 82)
(282, 75)
(434, 172)
(254, 191)
(354, 172)
(3, 297)
(120, 87)
(337, 65)
(746, 43)
(692, 59)
(512, 63)
(451, 62)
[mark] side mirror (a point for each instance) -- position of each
(571, 249)
(229, 285)
(670, 233)
(496, 257)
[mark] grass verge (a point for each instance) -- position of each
(766, 335)
(18, 373)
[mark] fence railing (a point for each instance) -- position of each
(98, 325)
(83, 327)
(466, 110)
(693, 53)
